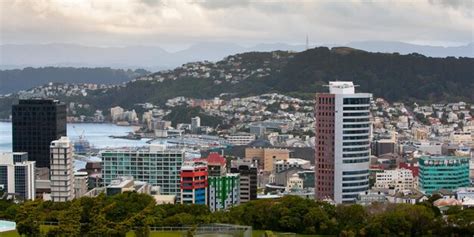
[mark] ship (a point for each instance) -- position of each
(82, 145)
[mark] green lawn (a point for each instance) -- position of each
(260, 233)
(12, 233)
(255, 233)
(159, 234)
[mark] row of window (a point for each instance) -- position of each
(365, 125)
(356, 108)
(355, 172)
(355, 120)
(352, 161)
(355, 184)
(356, 101)
(355, 178)
(355, 138)
(325, 100)
(355, 155)
(355, 132)
(358, 114)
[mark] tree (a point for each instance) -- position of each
(351, 218)
(28, 219)
(70, 220)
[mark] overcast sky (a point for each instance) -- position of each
(180, 23)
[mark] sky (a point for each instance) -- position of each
(179, 23)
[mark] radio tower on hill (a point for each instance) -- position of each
(307, 42)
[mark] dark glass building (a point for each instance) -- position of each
(37, 122)
(248, 179)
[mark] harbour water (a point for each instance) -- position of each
(97, 135)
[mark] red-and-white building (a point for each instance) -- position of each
(343, 130)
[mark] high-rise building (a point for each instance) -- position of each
(195, 124)
(81, 185)
(155, 164)
(217, 164)
(194, 182)
(224, 191)
(248, 179)
(342, 141)
(17, 175)
(224, 188)
(35, 124)
(62, 170)
(443, 172)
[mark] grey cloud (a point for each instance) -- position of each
(453, 3)
(221, 4)
(151, 3)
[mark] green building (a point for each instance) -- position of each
(155, 164)
(443, 172)
(224, 191)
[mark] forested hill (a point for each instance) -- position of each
(21, 79)
(395, 77)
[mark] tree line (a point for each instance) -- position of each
(130, 211)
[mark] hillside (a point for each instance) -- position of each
(154, 58)
(22, 79)
(396, 77)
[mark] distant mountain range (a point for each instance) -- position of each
(156, 58)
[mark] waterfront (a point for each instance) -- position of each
(96, 133)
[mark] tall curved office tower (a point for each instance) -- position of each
(343, 128)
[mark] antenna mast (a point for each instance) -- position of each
(307, 42)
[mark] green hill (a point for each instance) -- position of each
(395, 77)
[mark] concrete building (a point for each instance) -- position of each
(62, 170)
(342, 142)
(81, 184)
(240, 139)
(395, 179)
(127, 184)
(294, 183)
(195, 124)
(224, 192)
(248, 179)
(258, 130)
(17, 175)
(155, 164)
(194, 182)
(266, 156)
(443, 172)
(116, 113)
(384, 146)
(371, 196)
(291, 162)
(224, 188)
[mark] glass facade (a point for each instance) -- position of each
(158, 168)
(443, 172)
(35, 123)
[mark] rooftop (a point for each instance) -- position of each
(341, 87)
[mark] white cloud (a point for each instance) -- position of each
(153, 22)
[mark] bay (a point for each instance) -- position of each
(96, 133)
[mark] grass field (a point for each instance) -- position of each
(260, 233)
(255, 233)
(12, 233)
